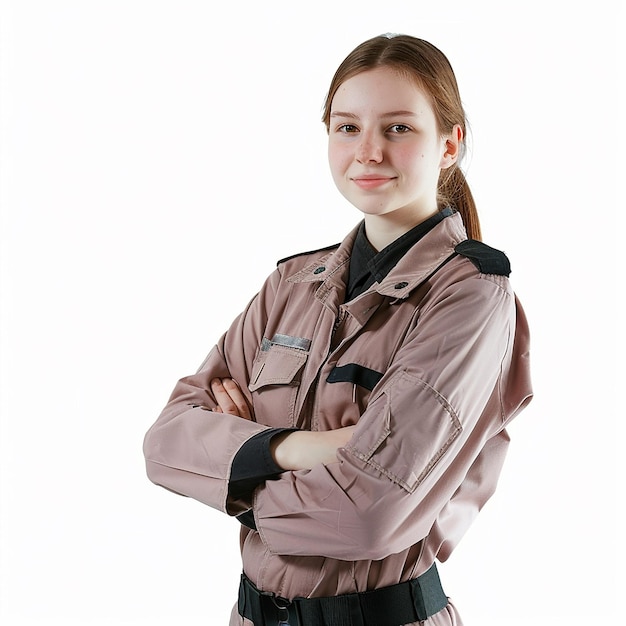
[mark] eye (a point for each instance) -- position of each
(347, 128)
(399, 129)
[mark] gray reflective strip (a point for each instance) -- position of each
(301, 343)
(266, 344)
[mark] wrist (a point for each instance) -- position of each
(302, 449)
(282, 450)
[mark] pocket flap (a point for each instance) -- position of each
(276, 366)
(406, 430)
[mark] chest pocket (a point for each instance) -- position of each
(278, 361)
(275, 379)
(355, 374)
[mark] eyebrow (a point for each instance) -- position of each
(390, 114)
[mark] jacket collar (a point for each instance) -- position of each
(416, 265)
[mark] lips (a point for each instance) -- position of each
(371, 181)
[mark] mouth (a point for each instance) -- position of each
(371, 181)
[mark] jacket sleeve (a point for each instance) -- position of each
(252, 465)
(190, 448)
(433, 430)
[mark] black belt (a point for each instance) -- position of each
(399, 604)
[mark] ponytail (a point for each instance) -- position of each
(455, 192)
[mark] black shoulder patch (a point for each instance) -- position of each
(487, 259)
(293, 256)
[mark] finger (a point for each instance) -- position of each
(236, 395)
(222, 397)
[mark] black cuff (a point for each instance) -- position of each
(253, 464)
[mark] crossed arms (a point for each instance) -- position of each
(290, 450)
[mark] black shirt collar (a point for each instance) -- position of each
(368, 266)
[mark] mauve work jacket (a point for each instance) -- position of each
(431, 364)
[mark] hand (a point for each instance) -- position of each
(303, 449)
(230, 398)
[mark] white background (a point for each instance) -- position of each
(158, 157)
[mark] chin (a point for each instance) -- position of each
(369, 206)
(369, 210)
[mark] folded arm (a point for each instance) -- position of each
(435, 421)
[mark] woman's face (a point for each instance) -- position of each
(384, 149)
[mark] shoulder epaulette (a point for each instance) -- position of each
(487, 259)
(293, 256)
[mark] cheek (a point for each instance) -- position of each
(338, 159)
(409, 160)
(415, 160)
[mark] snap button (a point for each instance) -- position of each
(319, 270)
(401, 285)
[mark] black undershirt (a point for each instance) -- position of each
(367, 266)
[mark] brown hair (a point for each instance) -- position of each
(421, 61)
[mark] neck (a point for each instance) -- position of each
(381, 230)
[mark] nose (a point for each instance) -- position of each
(369, 149)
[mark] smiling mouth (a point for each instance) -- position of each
(372, 182)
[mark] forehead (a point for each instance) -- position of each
(380, 89)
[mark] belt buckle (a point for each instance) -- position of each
(285, 612)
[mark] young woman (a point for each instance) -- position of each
(353, 416)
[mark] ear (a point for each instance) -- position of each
(452, 147)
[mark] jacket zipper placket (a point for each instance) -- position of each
(339, 320)
(311, 400)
